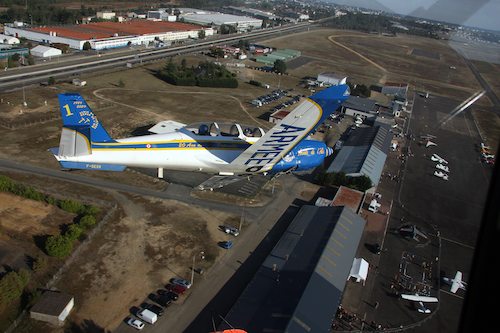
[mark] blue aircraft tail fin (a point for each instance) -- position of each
(76, 113)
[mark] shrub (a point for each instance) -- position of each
(87, 222)
(58, 246)
(74, 232)
(12, 285)
(71, 206)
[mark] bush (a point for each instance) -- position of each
(58, 246)
(39, 263)
(12, 285)
(74, 232)
(71, 206)
(87, 222)
(255, 83)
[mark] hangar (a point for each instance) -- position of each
(299, 286)
(360, 106)
(364, 152)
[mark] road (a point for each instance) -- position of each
(173, 191)
(489, 92)
(29, 75)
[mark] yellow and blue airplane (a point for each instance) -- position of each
(213, 147)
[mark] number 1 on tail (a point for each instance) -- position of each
(68, 111)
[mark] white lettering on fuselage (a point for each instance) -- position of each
(273, 146)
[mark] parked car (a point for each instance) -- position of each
(135, 323)
(179, 290)
(181, 282)
(168, 294)
(230, 230)
(154, 308)
(226, 245)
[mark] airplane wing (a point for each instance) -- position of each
(166, 126)
(457, 281)
(282, 138)
(417, 298)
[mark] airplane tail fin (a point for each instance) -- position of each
(77, 116)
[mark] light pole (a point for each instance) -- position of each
(202, 256)
(242, 218)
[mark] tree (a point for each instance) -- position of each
(74, 232)
(279, 66)
(58, 246)
(201, 34)
(121, 84)
(183, 64)
(87, 46)
(51, 81)
(31, 60)
(87, 222)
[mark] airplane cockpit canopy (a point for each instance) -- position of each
(225, 129)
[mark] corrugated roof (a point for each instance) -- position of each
(364, 152)
(101, 30)
(360, 103)
(299, 286)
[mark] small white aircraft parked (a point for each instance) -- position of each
(441, 175)
(483, 146)
(487, 156)
(455, 283)
(430, 144)
(442, 167)
(420, 301)
(437, 158)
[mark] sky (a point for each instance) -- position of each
(477, 13)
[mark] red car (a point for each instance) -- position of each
(179, 290)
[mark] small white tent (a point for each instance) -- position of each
(359, 270)
(45, 51)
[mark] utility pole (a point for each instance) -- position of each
(192, 270)
(242, 219)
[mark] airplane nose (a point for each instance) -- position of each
(329, 151)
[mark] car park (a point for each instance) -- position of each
(179, 290)
(181, 282)
(135, 323)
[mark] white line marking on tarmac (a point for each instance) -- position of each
(456, 242)
(452, 294)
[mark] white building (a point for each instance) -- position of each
(109, 42)
(331, 78)
(45, 51)
(11, 40)
(53, 307)
(105, 15)
(242, 23)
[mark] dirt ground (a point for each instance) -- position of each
(136, 254)
(21, 222)
(489, 127)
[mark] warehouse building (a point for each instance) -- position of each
(359, 106)
(8, 52)
(299, 286)
(53, 307)
(107, 35)
(395, 89)
(10, 40)
(282, 54)
(364, 152)
(241, 23)
(331, 78)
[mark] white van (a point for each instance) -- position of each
(148, 316)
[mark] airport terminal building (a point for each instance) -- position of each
(299, 286)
